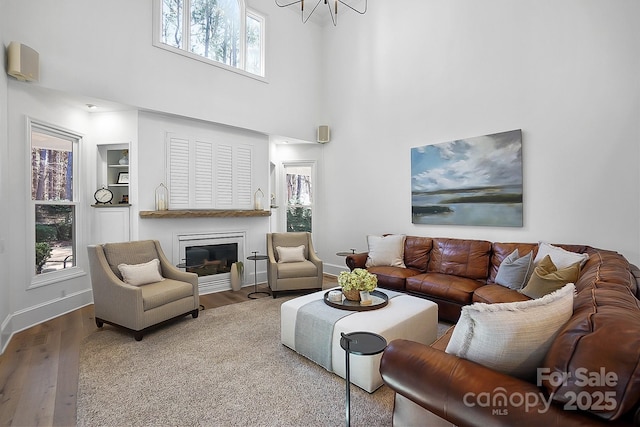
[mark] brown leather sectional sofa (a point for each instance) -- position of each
(602, 337)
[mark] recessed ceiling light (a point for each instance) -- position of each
(91, 106)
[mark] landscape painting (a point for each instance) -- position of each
(473, 181)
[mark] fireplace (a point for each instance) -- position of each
(210, 256)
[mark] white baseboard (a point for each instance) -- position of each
(5, 334)
(31, 316)
(333, 270)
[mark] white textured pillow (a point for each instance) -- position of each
(386, 250)
(141, 274)
(512, 338)
(290, 254)
(561, 258)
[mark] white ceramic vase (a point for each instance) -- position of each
(236, 278)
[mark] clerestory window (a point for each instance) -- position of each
(222, 31)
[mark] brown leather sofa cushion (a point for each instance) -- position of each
(463, 258)
(392, 277)
(494, 293)
(416, 252)
(601, 335)
(445, 286)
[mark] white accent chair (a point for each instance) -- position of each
(137, 308)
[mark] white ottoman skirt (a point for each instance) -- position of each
(404, 317)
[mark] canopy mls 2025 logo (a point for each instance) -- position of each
(473, 181)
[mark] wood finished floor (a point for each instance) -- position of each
(39, 369)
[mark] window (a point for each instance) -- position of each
(53, 194)
(299, 192)
(223, 31)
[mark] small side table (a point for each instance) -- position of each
(345, 253)
(255, 258)
(362, 344)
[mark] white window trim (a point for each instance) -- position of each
(157, 26)
(263, 22)
(40, 280)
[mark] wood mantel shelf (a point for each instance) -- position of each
(204, 213)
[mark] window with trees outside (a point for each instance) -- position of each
(299, 197)
(53, 153)
(223, 31)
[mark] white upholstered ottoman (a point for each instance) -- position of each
(405, 317)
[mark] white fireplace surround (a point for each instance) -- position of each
(214, 283)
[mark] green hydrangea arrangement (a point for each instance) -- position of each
(359, 279)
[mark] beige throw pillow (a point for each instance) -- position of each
(386, 251)
(290, 254)
(512, 338)
(546, 278)
(141, 274)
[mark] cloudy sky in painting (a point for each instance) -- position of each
(473, 162)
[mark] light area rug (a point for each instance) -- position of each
(225, 368)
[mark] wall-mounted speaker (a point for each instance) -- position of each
(324, 134)
(23, 62)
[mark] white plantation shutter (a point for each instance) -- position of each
(203, 171)
(178, 173)
(243, 176)
(224, 176)
(209, 175)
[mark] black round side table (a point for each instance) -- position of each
(255, 258)
(362, 344)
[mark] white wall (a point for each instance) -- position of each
(104, 49)
(5, 306)
(30, 305)
(566, 73)
(152, 171)
(322, 229)
(115, 127)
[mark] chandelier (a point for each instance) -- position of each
(332, 5)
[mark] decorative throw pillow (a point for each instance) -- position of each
(512, 338)
(386, 251)
(514, 271)
(290, 254)
(141, 274)
(546, 278)
(560, 257)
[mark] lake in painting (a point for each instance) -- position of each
(474, 181)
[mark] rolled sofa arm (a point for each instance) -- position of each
(356, 260)
(468, 394)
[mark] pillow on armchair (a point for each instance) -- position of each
(141, 274)
(386, 251)
(290, 254)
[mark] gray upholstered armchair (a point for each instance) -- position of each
(139, 307)
(292, 272)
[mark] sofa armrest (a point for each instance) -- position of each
(356, 260)
(466, 393)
